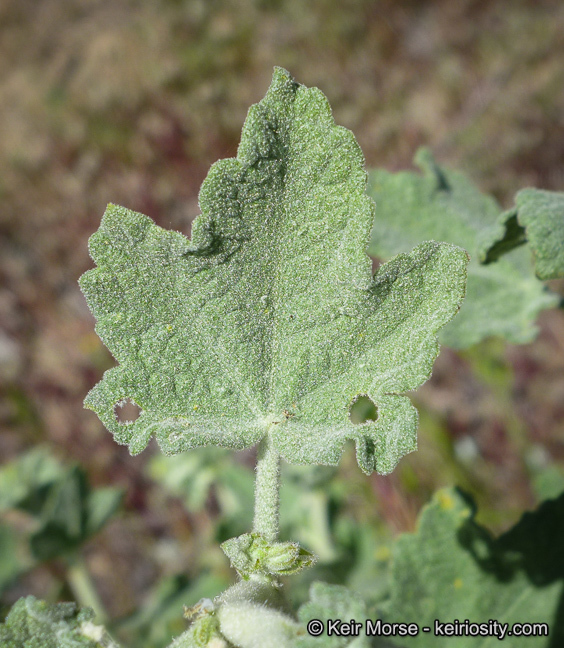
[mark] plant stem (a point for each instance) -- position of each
(267, 491)
(83, 588)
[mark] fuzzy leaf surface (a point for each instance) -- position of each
(537, 219)
(452, 568)
(333, 602)
(33, 623)
(269, 321)
(502, 298)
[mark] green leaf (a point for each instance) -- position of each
(71, 514)
(452, 568)
(32, 623)
(307, 500)
(193, 475)
(268, 321)
(503, 298)
(11, 565)
(25, 480)
(333, 602)
(499, 239)
(548, 481)
(62, 517)
(253, 614)
(160, 618)
(537, 219)
(66, 511)
(309, 503)
(101, 505)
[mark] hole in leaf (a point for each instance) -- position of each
(362, 410)
(127, 411)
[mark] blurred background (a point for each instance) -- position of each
(131, 102)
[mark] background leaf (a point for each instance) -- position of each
(72, 513)
(537, 219)
(333, 602)
(502, 298)
(32, 623)
(64, 510)
(11, 565)
(452, 568)
(24, 481)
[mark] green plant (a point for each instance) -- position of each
(503, 296)
(48, 512)
(36, 624)
(268, 327)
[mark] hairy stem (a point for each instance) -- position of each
(267, 491)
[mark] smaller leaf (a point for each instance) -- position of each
(506, 235)
(62, 517)
(333, 602)
(253, 614)
(548, 481)
(160, 618)
(452, 568)
(10, 564)
(71, 514)
(24, 480)
(537, 219)
(33, 623)
(101, 504)
(67, 510)
(502, 298)
(247, 625)
(204, 623)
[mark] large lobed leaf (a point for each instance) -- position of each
(502, 298)
(453, 569)
(268, 321)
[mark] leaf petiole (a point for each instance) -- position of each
(267, 491)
